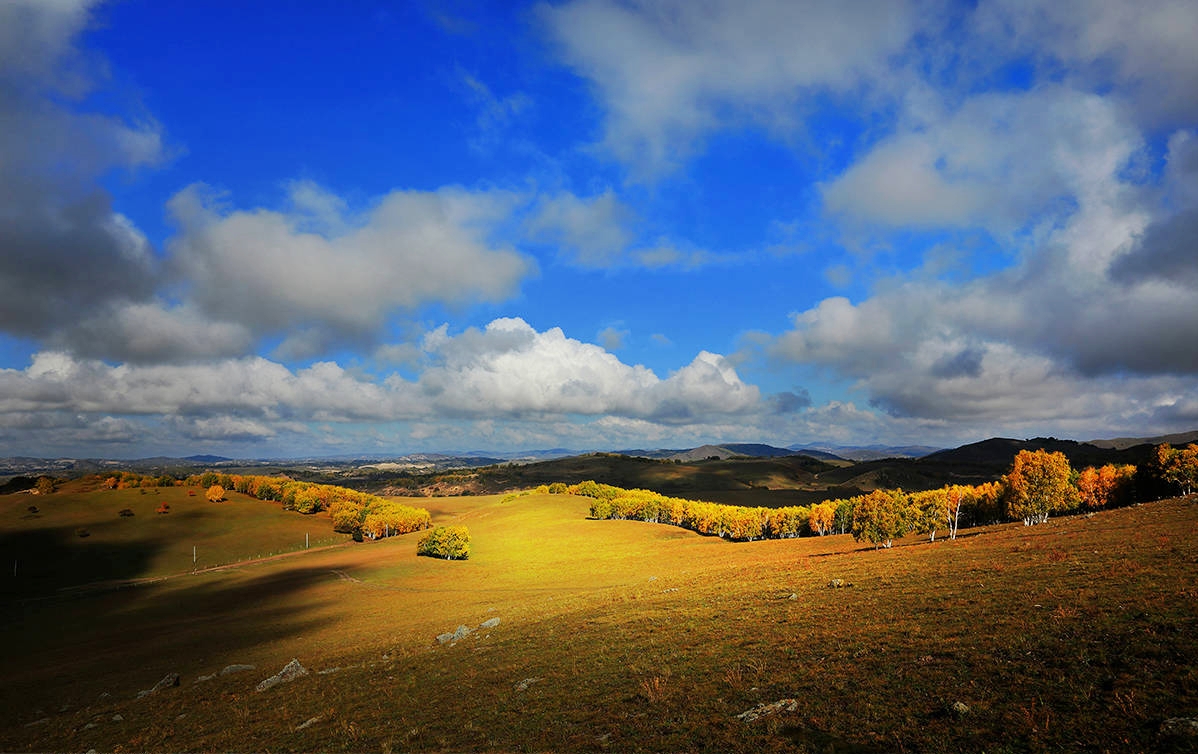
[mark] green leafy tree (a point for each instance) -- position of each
(1038, 484)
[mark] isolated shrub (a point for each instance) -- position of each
(558, 488)
(449, 542)
(215, 494)
(45, 485)
(126, 512)
(82, 533)
(32, 509)
(164, 508)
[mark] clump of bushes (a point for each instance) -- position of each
(126, 512)
(449, 542)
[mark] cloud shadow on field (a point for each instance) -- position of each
(76, 645)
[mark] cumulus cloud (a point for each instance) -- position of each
(510, 369)
(319, 270)
(505, 371)
(66, 250)
(671, 73)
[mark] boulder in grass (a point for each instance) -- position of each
(290, 672)
(170, 680)
(226, 670)
(489, 623)
(765, 710)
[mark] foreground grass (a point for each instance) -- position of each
(613, 635)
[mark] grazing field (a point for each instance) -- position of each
(1076, 635)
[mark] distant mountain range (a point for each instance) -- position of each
(987, 454)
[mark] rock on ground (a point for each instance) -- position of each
(489, 623)
(168, 681)
(765, 710)
(226, 670)
(523, 685)
(290, 672)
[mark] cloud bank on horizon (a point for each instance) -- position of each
(594, 224)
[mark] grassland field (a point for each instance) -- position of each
(1077, 635)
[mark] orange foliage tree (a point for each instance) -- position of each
(1105, 486)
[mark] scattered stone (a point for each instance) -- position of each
(960, 709)
(461, 633)
(308, 723)
(42, 721)
(328, 671)
(91, 751)
(105, 695)
(169, 680)
(523, 685)
(89, 726)
(671, 589)
(226, 670)
(489, 623)
(444, 638)
(765, 710)
(181, 716)
(203, 678)
(290, 672)
(118, 718)
(838, 584)
(64, 708)
(1180, 727)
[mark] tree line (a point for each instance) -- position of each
(1038, 484)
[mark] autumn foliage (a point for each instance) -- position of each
(448, 542)
(351, 511)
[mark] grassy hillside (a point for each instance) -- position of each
(49, 552)
(621, 636)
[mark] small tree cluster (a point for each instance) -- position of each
(1106, 486)
(215, 494)
(449, 542)
(352, 512)
(1177, 468)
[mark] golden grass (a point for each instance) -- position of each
(1075, 635)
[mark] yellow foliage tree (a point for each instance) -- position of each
(215, 493)
(1038, 484)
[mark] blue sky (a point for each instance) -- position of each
(296, 229)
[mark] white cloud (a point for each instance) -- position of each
(320, 270)
(669, 73)
(594, 232)
(998, 161)
(507, 371)
(1142, 53)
